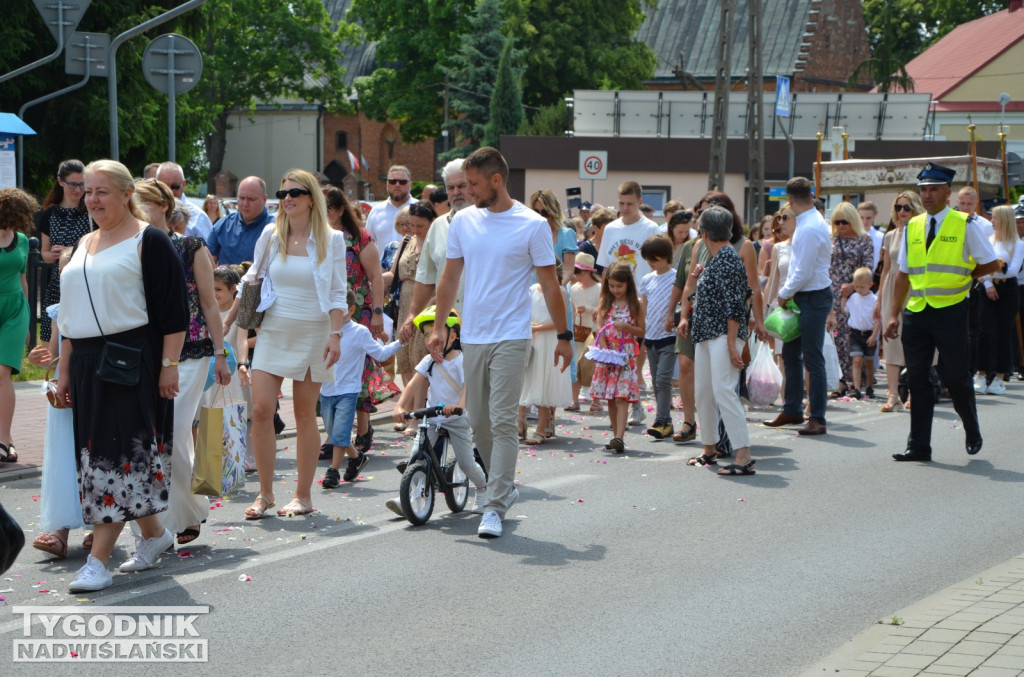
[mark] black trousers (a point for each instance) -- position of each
(998, 324)
(945, 329)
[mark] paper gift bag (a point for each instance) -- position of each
(219, 467)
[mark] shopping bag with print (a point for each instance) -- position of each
(220, 447)
(233, 459)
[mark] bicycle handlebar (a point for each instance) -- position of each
(430, 412)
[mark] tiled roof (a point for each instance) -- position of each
(964, 51)
(360, 59)
(691, 27)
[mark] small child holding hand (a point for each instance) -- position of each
(863, 330)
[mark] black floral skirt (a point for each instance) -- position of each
(123, 434)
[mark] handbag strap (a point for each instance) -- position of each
(88, 291)
(395, 281)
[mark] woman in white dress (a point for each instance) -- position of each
(302, 264)
(544, 385)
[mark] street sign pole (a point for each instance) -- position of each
(782, 110)
(593, 166)
(172, 65)
(171, 107)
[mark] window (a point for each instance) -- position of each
(341, 140)
(656, 196)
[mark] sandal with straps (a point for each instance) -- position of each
(702, 460)
(8, 454)
(295, 507)
(259, 508)
(52, 543)
(687, 434)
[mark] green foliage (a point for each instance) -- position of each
(506, 102)
(471, 74)
(579, 44)
(553, 120)
(899, 30)
(416, 41)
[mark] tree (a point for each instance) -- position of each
(579, 44)
(553, 120)
(899, 30)
(262, 51)
(416, 41)
(470, 79)
(506, 102)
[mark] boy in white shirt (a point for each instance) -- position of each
(863, 328)
(338, 398)
(443, 383)
(655, 292)
(621, 241)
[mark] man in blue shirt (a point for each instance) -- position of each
(233, 238)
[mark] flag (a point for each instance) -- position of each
(353, 163)
(364, 163)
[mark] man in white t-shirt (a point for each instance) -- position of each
(621, 241)
(381, 219)
(499, 243)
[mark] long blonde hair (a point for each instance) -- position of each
(915, 204)
(549, 202)
(318, 225)
(121, 177)
(1004, 226)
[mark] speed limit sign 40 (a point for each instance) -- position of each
(593, 164)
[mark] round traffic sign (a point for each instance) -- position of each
(593, 165)
(172, 58)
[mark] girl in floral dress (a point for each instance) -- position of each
(619, 308)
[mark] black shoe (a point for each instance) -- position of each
(278, 424)
(908, 455)
(853, 394)
(332, 478)
(355, 465)
(869, 393)
(973, 446)
(326, 451)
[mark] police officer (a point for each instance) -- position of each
(940, 254)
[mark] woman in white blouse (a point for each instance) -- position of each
(302, 264)
(999, 305)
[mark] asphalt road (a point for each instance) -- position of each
(610, 565)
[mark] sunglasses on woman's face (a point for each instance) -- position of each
(291, 192)
(903, 208)
(785, 217)
(840, 222)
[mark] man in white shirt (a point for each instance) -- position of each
(199, 224)
(435, 250)
(937, 310)
(621, 241)
(496, 331)
(381, 219)
(868, 213)
(808, 284)
(967, 202)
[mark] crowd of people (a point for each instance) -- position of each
(421, 300)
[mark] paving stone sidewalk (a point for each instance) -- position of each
(974, 628)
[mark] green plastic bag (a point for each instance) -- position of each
(784, 323)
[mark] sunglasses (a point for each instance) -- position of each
(785, 217)
(543, 212)
(291, 192)
(73, 184)
(421, 211)
(400, 182)
(681, 217)
(840, 222)
(903, 208)
(776, 231)
(174, 186)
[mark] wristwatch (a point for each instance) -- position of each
(564, 336)
(221, 353)
(377, 310)
(243, 364)
(166, 362)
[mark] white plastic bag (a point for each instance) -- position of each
(764, 380)
(833, 371)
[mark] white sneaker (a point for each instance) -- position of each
(148, 552)
(91, 577)
(980, 386)
(479, 502)
(490, 525)
(395, 506)
(636, 414)
(997, 387)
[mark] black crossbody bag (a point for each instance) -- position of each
(119, 364)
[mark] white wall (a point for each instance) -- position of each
(271, 144)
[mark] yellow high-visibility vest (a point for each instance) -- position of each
(940, 276)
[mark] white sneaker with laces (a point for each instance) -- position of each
(997, 387)
(479, 502)
(91, 577)
(490, 525)
(980, 386)
(636, 414)
(148, 552)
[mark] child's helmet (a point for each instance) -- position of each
(428, 315)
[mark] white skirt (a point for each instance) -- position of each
(289, 348)
(60, 507)
(544, 385)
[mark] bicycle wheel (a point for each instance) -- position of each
(458, 487)
(417, 493)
